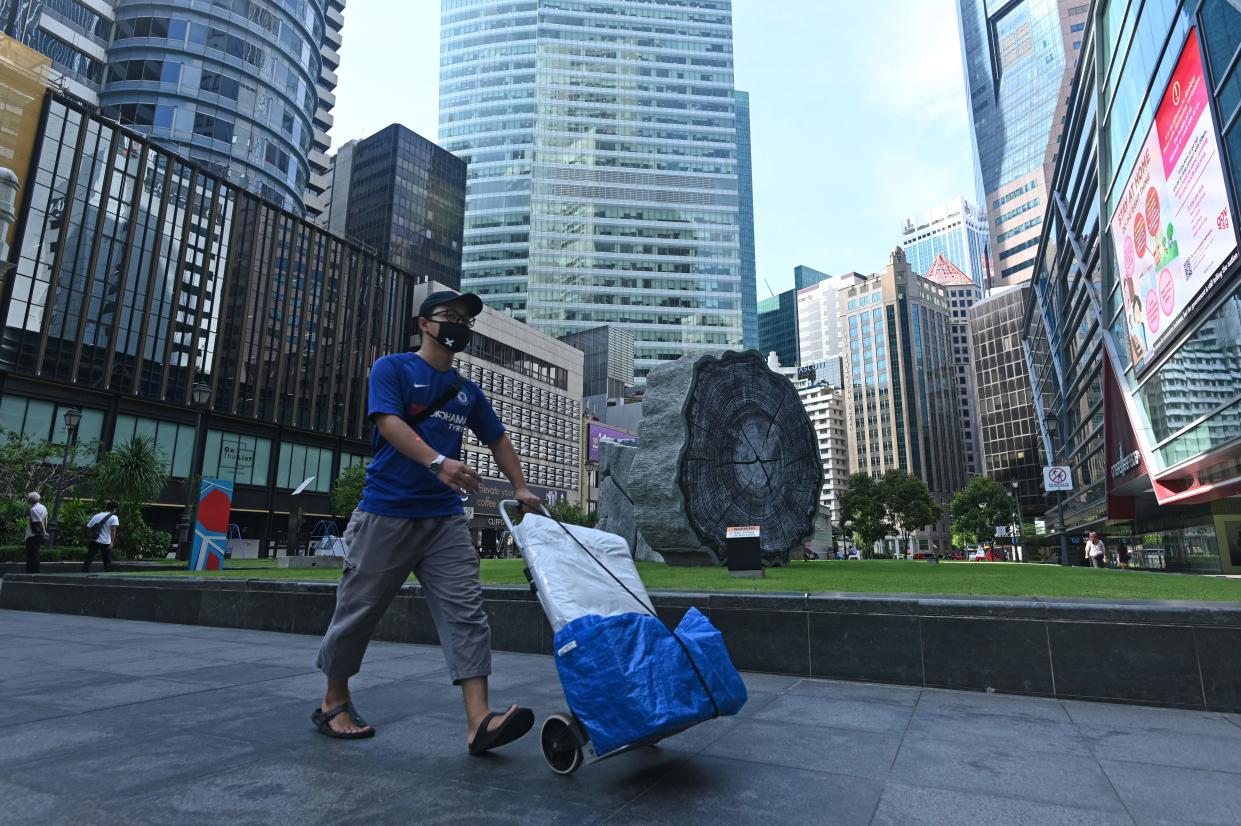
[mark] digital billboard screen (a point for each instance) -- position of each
(595, 432)
(1173, 229)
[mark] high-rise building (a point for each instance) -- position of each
(956, 230)
(899, 381)
(818, 316)
(1006, 412)
(336, 181)
(406, 200)
(777, 318)
(963, 293)
(1132, 331)
(603, 166)
(320, 163)
(1019, 60)
(74, 34)
(745, 215)
(244, 86)
(608, 366)
(825, 405)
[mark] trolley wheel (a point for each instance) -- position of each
(560, 743)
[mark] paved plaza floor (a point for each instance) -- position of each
(109, 721)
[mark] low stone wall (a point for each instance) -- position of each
(1186, 655)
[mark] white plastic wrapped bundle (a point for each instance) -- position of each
(571, 584)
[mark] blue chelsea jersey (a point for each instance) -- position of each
(404, 384)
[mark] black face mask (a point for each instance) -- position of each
(454, 337)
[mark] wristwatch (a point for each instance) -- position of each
(437, 464)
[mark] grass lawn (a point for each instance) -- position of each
(869, 576)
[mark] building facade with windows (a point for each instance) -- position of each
(405, 199)
(956, 230)
(1133, 328)
(1019, 60)
(623, 206)
(246, 86)
(818, 318)
(608, 360)
(745, 216)
(900, 384)
(140, 274)
(963, 293)
(1011, 452)
(824, 403)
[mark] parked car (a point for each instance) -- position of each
(984, 555)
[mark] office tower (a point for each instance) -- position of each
(1132, 331)
(745, 215)
(825, 405)
(1019, 61)
(818, 328)
(622, 206)
(956, 230)
(899, 381)
(320, 163)
(1006, 411)
(777, 318)
(406, 200)
(244, 86)
(608, 366)
(963, 293)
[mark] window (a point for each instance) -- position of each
(218, 84)
(243, 459)
(301, 462)
(213, 127)
(175, 441)
(43, 420)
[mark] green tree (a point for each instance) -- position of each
(572, 514)
(908, 504)
(862, 512)
(347, 492)
(133, 474)
(31, 464)
(979, 507)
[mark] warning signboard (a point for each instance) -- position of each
(1057, 477)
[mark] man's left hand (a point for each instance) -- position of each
(528, 500)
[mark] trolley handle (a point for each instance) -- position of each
(513, 503)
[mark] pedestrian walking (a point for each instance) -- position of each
(36, 531)
(1095, 552)
(101, 536)
(1122, 555)
(411, 519)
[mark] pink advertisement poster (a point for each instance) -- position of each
(1172, 230)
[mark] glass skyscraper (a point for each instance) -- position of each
(603, 182)
(1019, 59)
(745, 183)
(958, 231)
(244, 86)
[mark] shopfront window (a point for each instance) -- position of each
(243, 459)
(175, 441)
(299, 463)
(42, 420)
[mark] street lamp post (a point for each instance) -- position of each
(73, 418)
(1016, 518)
(201, 396)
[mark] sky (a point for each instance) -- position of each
(858, 115)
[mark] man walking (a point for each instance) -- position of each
(411, 519)
(36, 531)
(101, 536)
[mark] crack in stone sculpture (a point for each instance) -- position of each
(723, 441)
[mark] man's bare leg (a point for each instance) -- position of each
(474, 693)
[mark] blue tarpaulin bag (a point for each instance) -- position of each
(627, 678)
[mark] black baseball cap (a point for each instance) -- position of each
(473, 304)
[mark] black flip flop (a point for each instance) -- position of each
(322, 720)
(513, 727)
